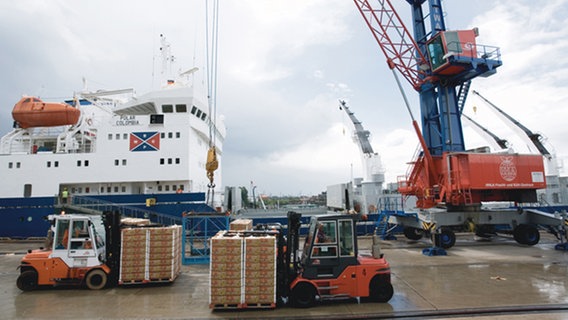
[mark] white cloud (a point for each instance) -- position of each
(283, 64)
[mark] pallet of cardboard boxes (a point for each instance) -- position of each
(150, 254)
(242, 269)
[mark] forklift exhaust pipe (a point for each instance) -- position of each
(376, 248)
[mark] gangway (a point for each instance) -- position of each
(94, 206)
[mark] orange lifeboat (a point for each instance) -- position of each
(31, 112)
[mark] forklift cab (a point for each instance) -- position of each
(330, 246)
(76, 241)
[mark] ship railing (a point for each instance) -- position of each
(96, 206)
(260, 212)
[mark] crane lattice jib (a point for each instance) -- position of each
(397, 44)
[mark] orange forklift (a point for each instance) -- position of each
(76, 253)
(329, 266)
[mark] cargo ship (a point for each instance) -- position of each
(148, 150)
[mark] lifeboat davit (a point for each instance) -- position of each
(31, 112)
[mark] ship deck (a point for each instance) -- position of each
(487, 280)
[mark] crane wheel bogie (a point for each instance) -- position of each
(445, 239)
(96, 279)
(526, 234)
(412, 233)
(27, 280)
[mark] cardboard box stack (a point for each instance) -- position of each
(242, 271)
(260, 271)
(241, 225)
(226, 268)
(150, 254)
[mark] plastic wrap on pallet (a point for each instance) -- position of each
(260, 272)
(242, 271)
(225, 270)
(150, 254)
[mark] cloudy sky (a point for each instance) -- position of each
(283, 66)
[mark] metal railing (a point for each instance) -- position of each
(96, 206)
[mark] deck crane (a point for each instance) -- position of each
(373, 172)
(535, 138)
(499, 143)
(449, 182)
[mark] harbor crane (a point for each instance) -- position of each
(449, 182)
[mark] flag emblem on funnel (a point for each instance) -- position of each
(144, 141)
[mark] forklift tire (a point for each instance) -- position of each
(303, 295)
(27, 280)
(413, 233)
(445, 239)
(96, 279)
(526, 234)
(380, 291)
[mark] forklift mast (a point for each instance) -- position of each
(111, 221)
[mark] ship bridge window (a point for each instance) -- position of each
(178, 135)
(203, 116)
(198, 113)
(181, 108)
(193, 110)
(168, 108)
(156, 118)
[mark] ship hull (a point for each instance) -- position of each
(24, 218)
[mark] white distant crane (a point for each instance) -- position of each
(373, 172)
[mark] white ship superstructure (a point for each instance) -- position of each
(155, 143)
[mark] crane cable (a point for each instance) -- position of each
(212, 162)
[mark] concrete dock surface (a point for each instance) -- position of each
(497, 279)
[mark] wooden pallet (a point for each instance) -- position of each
(260, 305)
(218, 306)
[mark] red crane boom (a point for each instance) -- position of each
(395, 41)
